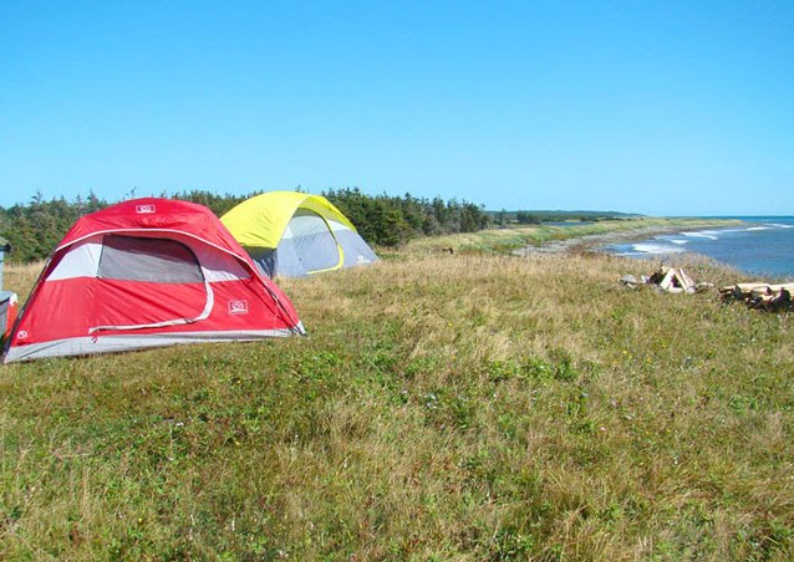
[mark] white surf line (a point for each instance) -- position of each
(656, 249)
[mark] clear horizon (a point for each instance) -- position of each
(663, 109)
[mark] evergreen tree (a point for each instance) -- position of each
(35, 228)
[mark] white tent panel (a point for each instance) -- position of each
(82, 260)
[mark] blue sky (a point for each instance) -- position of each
(654, 107)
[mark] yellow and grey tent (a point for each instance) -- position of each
(296, 234)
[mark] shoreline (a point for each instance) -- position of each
(596, 245)
(590, 243)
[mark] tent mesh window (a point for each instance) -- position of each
(154, 260)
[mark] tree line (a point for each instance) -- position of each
(390, 221)
(34, 228)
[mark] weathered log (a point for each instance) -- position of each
(667, 282)
(746, 287)
(760, 296)
(685, 280)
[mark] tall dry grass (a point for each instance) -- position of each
(443, 408)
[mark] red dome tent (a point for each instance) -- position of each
(147, 273)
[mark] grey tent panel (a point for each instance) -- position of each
(266, 259)
(154, 260)
(311, 244)
(312, 241)
(288, 263)
(307, 246)
(315, 252)
(357, 252)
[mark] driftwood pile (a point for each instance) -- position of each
(669, 280)
(761, 296)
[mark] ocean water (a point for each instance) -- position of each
(763, 246)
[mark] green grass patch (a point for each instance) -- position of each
(443, 408)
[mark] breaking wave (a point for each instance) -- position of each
(656, 249)
(709, 234)
(761, 247)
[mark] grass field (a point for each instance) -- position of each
(469, 407)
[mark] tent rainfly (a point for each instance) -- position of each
(294, 234)
(145, 273)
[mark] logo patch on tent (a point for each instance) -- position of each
(145, 209)
(22, 335)
(362, 259)
(238, 307)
